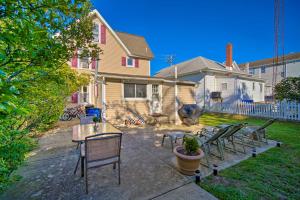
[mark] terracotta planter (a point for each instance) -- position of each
(187, 164)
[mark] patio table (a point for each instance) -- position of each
(81, 131)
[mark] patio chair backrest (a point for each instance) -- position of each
(219, 133)
(265, 125)
(103, 146)
(234, 129)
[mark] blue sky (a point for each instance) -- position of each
(190, 28)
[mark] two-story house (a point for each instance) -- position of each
(123, 86)
(217, 81)
(289, 66)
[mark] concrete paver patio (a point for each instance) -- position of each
(148, 171)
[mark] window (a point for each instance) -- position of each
(224, 86)
(141, 91)
(96, 32)
(244, 87)
(154, 89)
(84, 62)
(130, 62)
(282, 74)
(129, 90)
(132, 90)
(252, 71)
(263, 69)
(261, 87)
(253, 86)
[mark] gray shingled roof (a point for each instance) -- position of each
(269, 61)
(194, 65)
(137, 45)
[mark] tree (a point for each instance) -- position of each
(37, 39)
(289, 89)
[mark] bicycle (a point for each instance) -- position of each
(71, 113)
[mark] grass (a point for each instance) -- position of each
(274, 174)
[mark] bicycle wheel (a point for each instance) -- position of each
(65, 117)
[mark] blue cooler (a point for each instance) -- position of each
(93, 112)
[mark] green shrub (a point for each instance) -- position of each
(191, 145)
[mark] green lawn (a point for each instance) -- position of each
(274, 174)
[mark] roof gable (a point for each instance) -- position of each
(135, 46)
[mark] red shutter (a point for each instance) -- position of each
(136, 63)
(75, 60)
(75, 97)
(93, 63)
(103, 34)
(123, 61)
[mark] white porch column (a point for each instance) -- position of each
(103, 99)
(176, 99)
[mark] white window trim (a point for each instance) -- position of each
(79, 63)
(99, 33)
(133, 62)
(134, 98)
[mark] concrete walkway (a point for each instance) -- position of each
(148, 171)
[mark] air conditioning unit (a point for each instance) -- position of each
(215, 95)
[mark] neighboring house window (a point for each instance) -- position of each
(224, 86)
(244, 86)
(252, 71)
(260, 87)
(263, 69)
(96, 32)
(132, 90)
(253, 86)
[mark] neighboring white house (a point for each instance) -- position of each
(217, 81)
(265, 69)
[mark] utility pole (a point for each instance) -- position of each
(170, 60)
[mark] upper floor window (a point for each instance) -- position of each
(132, 90)
(95, 32)
(84, 62)
(252, 71)
(224, 86)
(129, 62)
(263, 69)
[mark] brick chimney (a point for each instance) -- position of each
(229, 56)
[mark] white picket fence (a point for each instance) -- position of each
(281, 110)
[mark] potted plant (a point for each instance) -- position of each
(188, 156)
(95, 120)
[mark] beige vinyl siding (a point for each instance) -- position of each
(186, 94)
(118, 108)
(111, 58)
(168, 100)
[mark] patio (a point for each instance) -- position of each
(148, 170)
